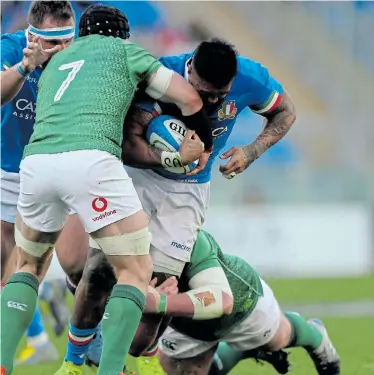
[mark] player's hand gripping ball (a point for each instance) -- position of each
(167, 134)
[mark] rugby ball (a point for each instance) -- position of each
(167, 133)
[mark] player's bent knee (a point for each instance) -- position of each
(35, 249)
(134, 243)
(282, 337)
(98, 273)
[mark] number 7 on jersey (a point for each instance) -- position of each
(75, 67)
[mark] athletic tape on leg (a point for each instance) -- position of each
(93, 244)
(36, 249)
(135, 243)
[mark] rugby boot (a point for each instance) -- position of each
(69, 368)
(325, 358)
(278, 359)
(147, 365)
(36, 355)
(94, 350)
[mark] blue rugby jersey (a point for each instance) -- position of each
(18, 116)
(253, 87)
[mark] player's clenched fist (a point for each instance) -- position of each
(191, 148)
(35, 55)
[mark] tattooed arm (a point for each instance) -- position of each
(277, 123)
(136, 151)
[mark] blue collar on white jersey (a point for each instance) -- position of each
(66, 32)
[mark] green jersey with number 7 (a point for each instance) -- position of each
(84, 95)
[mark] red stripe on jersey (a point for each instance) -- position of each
(276, 104)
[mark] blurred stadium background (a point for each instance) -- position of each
(305, 210)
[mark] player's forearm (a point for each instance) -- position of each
(277, 125)
(195, 304)
(11, 84)
(189, 102)
(136, 152)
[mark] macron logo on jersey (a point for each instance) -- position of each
(180, 246)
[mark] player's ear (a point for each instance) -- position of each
(189, 67)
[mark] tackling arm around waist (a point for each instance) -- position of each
(210, 297)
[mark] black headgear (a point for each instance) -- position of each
(104, 20)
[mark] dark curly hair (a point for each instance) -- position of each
(215, 62)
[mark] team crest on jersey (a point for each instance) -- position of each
(228, 111)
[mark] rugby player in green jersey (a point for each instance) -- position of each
(248, 321)
(73, 163)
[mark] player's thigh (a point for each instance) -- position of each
(9, 189)
(282, 336)
(104, 198)
(152, 194)
(149, 193)
(39, 204)
(177, 212)
(260, 327)
(178, 219)
(72, 248)
(110, 210)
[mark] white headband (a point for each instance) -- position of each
(66, 32)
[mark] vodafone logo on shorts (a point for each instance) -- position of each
(100, 204)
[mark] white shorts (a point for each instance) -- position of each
(9, 185)
(176, 210)
(255, 331)
(93, 183)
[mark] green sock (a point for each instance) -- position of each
(225, 359)
(18, 303)
(121, 319)
(303, 334)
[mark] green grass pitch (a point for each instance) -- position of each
(353, 337)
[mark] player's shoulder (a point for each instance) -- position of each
(16, 39)
(176, 62)
(250, 74)
(204, 254)
(205, 245)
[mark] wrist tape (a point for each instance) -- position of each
(171, 159)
